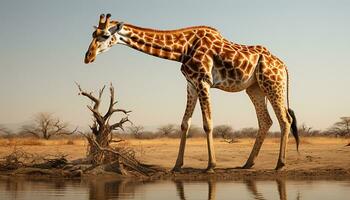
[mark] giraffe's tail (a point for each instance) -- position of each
(294, 126)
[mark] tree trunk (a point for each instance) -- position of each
(102, 138)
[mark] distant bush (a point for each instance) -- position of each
(223, 131)
(195, 132)
(136, 131)
(167, 130)
(247, 132)
(70, 142)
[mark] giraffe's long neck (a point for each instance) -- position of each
(164, 44)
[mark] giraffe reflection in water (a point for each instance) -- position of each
(250, 184)
(181, 191)
(211, 189)
(106, 189)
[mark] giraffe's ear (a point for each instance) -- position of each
(116, 28)
(95, 27)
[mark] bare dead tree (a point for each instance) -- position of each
(341, 128)
(167, 130)
(45, 126)
(305, 130)
(101, 127)
(136, 131)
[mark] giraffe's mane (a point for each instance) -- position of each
(171, 31)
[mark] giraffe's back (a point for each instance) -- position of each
(236, 65)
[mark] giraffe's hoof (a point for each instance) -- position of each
(176, 169)
(210, 170)
(280, 165)
(248, 166)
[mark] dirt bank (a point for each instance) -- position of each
(318, 157)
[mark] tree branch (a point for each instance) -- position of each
(90, 96)
(120, 124)
(29, 130)
(111, 103)
(97, 115)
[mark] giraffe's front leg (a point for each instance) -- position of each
(204, 99)
(185, 125)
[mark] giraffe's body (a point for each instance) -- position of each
(210, 61)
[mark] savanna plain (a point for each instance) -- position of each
(317, 156)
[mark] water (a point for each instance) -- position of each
(21, 188)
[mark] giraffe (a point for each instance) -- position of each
(210, 61)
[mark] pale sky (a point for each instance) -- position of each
(43, 44)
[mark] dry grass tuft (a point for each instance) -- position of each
(40, 142)
(4, 142)
(24, 141)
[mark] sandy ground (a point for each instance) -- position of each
(315, 154)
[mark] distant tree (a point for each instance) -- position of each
(342, 127)
(223, 131)
(45, 125)
(305, 130)
(167, 130)
(5, 132)
(136, 131)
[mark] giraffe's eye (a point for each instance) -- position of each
(105, 37)
(102, 38)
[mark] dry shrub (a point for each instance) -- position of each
(70, 142)
(19, 158)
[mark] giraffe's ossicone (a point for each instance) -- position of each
(210, 61)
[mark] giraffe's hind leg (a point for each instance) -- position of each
(258, 98)
(204, 100)
(272, 78)
(275, 88)
(285, 120)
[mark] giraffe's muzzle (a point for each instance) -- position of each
(89, 57)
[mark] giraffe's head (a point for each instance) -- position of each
(103, 37)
